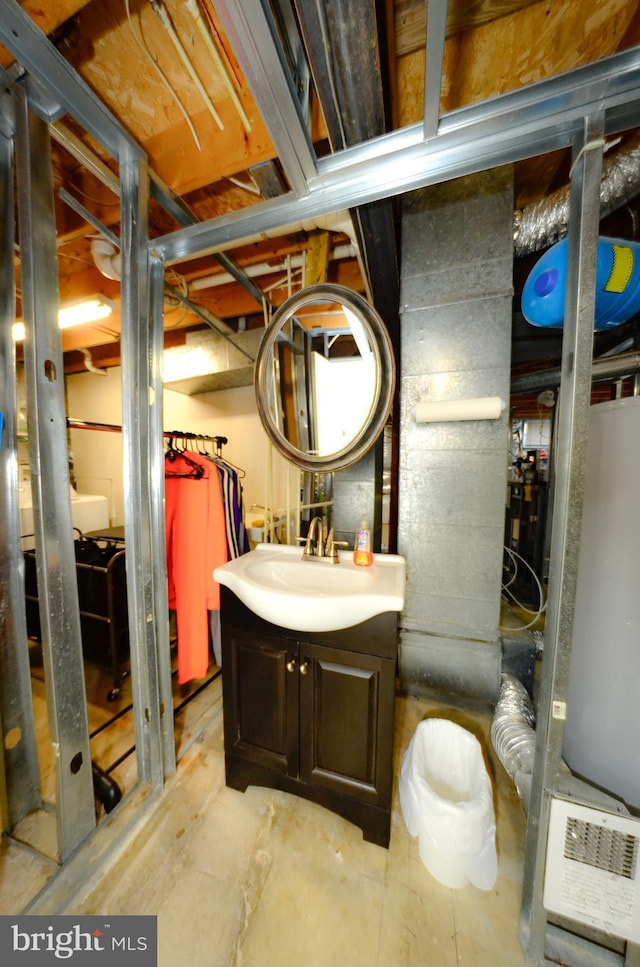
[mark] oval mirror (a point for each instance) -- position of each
(324, 377)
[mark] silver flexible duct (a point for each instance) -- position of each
(513, 735)
(545, 222)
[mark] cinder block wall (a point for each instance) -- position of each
(456, 292)
(357, 493)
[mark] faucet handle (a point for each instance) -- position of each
(308, 546)
(332, 549)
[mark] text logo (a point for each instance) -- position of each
(83, 941)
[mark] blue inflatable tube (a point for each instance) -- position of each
(617, 285)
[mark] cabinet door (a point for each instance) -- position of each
(346, 722)
(261, 699)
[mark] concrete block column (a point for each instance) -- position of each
(456, 305)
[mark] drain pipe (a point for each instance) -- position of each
(106, 258)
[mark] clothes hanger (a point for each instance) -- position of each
(173, 453)
(227, 463)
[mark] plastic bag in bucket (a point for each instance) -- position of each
(447, 802)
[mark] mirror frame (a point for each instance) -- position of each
(385, 382)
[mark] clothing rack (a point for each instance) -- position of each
(187, 436)
(183, 437)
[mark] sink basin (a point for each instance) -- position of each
(276, 583)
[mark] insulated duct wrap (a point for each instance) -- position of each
(513, 734)
(545, 222)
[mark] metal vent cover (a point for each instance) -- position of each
(591, 873)
(606, 849)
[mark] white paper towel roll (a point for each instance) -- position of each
(446, 411)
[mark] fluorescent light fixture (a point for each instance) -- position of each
(81, 313)
(76, 314)
(181, 362)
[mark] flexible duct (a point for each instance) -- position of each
(513, 735)
(546, 221)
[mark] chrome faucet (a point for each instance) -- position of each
(320, 550)
(317, 549)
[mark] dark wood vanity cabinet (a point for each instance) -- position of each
(312, 713)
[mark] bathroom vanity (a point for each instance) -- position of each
(312, 712)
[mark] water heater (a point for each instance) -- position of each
(602, 730)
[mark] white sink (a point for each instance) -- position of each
(276, 583)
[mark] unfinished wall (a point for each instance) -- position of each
(457, 254)
(98, 459)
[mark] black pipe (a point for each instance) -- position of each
(105, 789)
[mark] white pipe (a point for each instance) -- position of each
(192, 7)
(107, 258)
(289, 468)
(108, 261)
(142, 44)
(89, 365)
(263, 268)
(184, 57)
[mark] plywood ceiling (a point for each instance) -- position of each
(205, 138)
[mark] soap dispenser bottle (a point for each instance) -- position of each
(362, 554)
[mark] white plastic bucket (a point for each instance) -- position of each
(447, 802)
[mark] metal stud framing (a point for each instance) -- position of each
(142, 437)
(436, 32)
(573, 412)
(576, 109)
(143, 493)
(252, 33)
(49, 461)
(526, 122)
(550, 775)
(20, 779)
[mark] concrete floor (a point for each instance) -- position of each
(263, 878)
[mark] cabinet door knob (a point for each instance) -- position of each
(291, 665)
(304, 667)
